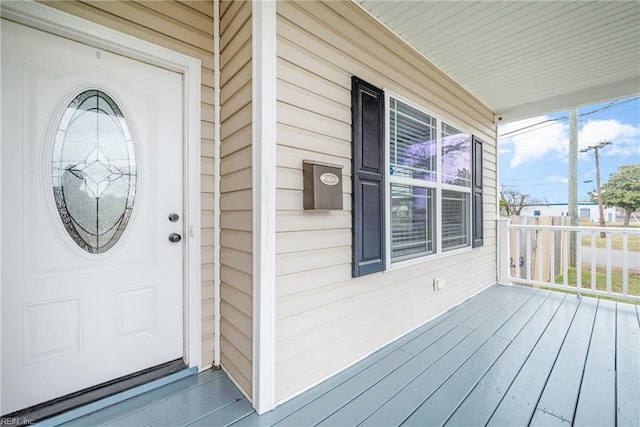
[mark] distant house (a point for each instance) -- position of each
(586, 211)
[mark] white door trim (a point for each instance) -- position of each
(217, 141)
(264, 203)
(45, 18)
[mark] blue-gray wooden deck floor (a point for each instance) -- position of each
(509, 356)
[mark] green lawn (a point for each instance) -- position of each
(616, 242)
(601, 279)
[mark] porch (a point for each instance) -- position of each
(510, 355)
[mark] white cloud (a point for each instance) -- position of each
(536, 139)
(552, 139)
(625, 138)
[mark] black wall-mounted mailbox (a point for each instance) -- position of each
(322, 185)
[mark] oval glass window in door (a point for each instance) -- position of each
(94, 171)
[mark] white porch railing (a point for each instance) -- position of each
(540, 255)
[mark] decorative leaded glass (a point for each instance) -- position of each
(94, 171)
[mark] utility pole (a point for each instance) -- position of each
(595, 149)
(573, 183)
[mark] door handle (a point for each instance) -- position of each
(175, 237)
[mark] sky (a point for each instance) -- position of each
(533, 153)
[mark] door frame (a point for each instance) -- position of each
(60, 23)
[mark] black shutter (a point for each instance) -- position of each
(477, 207)
(367, 111)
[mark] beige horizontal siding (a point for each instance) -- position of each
(350, 314)
(205, 7)
(135, 21)
(310, 144)
(185, 27)
(326, 320)
(236, 245)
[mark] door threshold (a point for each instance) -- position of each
(77, 404)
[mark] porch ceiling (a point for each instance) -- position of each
(525, 58)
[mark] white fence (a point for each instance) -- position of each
(540, 255)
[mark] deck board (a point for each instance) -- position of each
(479, 405)
(545, 419)
(137, 403)
(518, 404)
(474, 314)
(596, 403)
(628, 365)
(440, 407)
(395, 410)
(366, 403)
(216, 403)
(174, 403)
(426, 349)
(437, 409)
(560, 394)
(508, 356)
(227, 415)
(318, 409)
(438, 325)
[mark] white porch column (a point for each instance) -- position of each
(264, 202)
(504, 256)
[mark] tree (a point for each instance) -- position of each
(512, 201)
(622, 190)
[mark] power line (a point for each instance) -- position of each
(547, 184)
(523, 181)
(542, 128)
(557, 184)
(561, 119)
(533, 125)
(564, 118)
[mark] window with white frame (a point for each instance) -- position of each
(429, 183)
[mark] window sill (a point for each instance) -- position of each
(427, 258)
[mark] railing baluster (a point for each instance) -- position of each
(527, 260)
(516, 262)
(578, 262)
(625, 264)
(552, 261)
(539, 260)
(608, 236)
(565, 258)
(593, 260)
(546, 240)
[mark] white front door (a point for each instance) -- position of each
(91, 172)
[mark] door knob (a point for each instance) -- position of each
(175, 237)
(174, 217)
